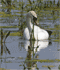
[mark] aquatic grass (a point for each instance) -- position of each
(56, 40)
(16, 34)
(52, 8)
(44, 60)
(4, 69)
(19, 33)
(9, 26)
(46, 66)
(8, 62)
(7, 15)
(57, 28)
(58, 50)
(47, 13)
(10, 7)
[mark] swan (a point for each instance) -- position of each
(39, 33)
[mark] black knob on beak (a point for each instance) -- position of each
(35, 20)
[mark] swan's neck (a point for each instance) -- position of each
(29, 24)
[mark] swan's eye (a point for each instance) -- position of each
(34, 18)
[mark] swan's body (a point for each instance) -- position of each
(39, 34)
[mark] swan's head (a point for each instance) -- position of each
(32, 15)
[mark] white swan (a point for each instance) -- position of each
(39, 34)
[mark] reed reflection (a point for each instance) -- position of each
(32, 48)
(38, 45)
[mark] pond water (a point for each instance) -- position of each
(15, 52)
(19, 54)
(18, 50)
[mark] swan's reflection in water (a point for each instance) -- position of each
(36, 44)
(33, 47)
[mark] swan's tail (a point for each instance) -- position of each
(49, 32)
